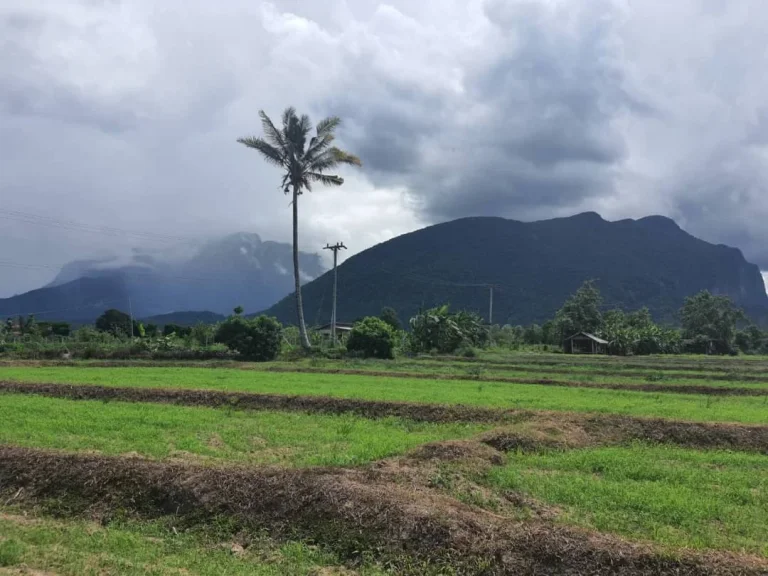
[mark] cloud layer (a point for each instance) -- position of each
(125, 114)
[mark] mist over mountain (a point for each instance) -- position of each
(215, 276)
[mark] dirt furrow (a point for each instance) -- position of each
(414, 529)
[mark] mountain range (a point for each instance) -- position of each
(215, 276)
(533, 267)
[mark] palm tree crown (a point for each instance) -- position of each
(304, 162)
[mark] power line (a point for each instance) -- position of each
(50, 222)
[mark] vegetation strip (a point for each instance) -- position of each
(639, 387)
(593, 429)
(350, 511)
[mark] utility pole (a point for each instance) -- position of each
(336, 247)
(490, 307)
(130, 313)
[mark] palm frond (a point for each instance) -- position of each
(288, 114)
(343, 157)
(270, 153)
(274, 135)
(318, 145)
(327, 125)
(325, 136)
(326, 179)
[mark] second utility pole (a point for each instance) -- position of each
(336, 247)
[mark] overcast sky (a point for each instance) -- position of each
(125, 114)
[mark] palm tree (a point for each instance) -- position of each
(304, 163)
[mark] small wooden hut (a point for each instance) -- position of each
(585, 343)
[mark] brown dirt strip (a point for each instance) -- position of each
(589, 429)
(414, 529)
(631, 387)
(569, 431)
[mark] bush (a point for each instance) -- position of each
(439, 330)
(255, 339)
(372, 338)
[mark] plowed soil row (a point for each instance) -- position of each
(639, 387)
(579, 429)
(351, 511)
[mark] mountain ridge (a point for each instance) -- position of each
(649, 261)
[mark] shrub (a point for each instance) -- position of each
(439, 330)
(372, 338)
(255, 339)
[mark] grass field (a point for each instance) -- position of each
(157, 431)
(684, 501)
(500, 395)
(681, 498)
(78, 548)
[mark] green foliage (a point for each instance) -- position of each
(256, 339)
(238, 311)
(752, 340)
(580, 312)
(180, 331)
(712, 317)
(47, 329)
(389, 315)
(372, 338)
(441, 331)
(636, 334)
(116, 323)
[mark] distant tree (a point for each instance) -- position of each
(580, 312)
(54, 328)
(238, 310)
(204, 334)
(712, 317)
(151, 330)
(439, 330)
(390, 317)
(304, 161)
(255, 339)
(533, 334)
(372, 338)
(180, 331)
(115, 322)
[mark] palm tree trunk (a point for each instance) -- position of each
(297, 279)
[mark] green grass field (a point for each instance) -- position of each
(79, 548)
(673, 496)
(163, 431)
(676, 498)
(501, 395)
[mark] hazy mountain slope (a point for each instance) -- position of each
(239, 269)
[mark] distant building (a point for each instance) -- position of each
(585, 343)
(342, 328)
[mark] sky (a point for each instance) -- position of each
(119, 118)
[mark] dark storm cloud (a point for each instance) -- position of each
(530, 129)
(128, 112)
